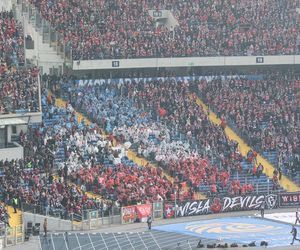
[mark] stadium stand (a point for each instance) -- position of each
(12, 41)
(124, 29)
(19, 94)
(19, 87)
(144, 147)
(140, 114)
(265, 112)
(84, 154)
(33, 188)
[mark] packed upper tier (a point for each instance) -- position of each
(105, 29)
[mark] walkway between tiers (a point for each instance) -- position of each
(131, 155)
(286, 183)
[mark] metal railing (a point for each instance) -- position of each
(94, 219)
(60, 218)
(10, 236)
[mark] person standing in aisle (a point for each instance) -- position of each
(262, 210)
(15, 203)
(45, 226)
(149, 222)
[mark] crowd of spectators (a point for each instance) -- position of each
(133, 126)
(105, 29)
(31, 181)
(153, 141)
(4, 217)
(161, 121)
(18, 87)
(34, 188)
(266, 112)
(11, 41)
(30, 184)
(83, 145)
(19, 91)
(98, 166)
(127, 184)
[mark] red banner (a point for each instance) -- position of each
(143, 211)
(128, 214)
(131, 213)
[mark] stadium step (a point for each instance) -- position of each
(285, 182)
(47, 56)
(15, 219)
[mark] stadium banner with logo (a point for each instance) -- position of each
(219, 205)
(289, 200)
(128, 214)
(136, 213)
(99, 82)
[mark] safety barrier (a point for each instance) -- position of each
(231, 204)
(2, 235)
(95, 219)
(10, 236)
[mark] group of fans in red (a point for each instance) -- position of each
(159, 120)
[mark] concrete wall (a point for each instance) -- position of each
(54, 224)
(165, 17)
(28, 118)
(12, 153)
(9, 133)
(57, 224)
(186, 62)
(5, 5)
(42, 55)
